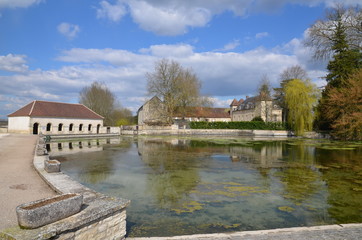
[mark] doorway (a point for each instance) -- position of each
(36, 128)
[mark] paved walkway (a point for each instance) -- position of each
(19, 182)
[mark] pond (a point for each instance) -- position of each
(180, 185)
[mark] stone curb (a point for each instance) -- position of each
(340, 231)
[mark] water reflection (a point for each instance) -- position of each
(172, 175)
(56, 148)
(199, 185)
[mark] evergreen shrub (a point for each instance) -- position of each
(252, 125)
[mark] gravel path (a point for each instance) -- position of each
(19, 182)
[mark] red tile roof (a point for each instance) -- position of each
(55, 109)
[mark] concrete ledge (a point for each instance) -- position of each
(327, 232)
(219, 132)
(67, 136)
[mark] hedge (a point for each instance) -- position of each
(254, 125)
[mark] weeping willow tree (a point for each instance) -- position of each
(300, 98)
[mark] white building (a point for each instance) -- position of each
(55, 118)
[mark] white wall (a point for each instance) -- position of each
(66, 125)
(19, 125)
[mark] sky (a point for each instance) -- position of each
(51, 49)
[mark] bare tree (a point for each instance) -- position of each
(264, 95)
(294, 72)
(321, 34)
(176, 86)
(100, 99)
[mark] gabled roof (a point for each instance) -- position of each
(153, 99)
(55, 109)
(205, 112)
(234, 103)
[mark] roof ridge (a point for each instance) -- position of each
(59, 102)
(32, 107)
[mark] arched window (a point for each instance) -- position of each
(71, 127)
(90, 127)
(98, 128)
(80, 127)
(49, 127)
(60, 127)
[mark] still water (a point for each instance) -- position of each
(205, 185)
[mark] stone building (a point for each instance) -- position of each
(152, 112)
(246, 110)
(55, 118)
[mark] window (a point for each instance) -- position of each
(80, 127)
(90, 127)
(60, 127)
(71, 127)
(49, 127)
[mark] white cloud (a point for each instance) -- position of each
(261, 35)
(168, 20)
(68, 30)
(175, 17)
(13, 63)
(230, 46)
(112, 12)
(18, 3)
(169, 51)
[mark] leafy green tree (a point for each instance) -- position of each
(300, 98)
(339, 38)
(321, 36)
(345, 60)
(290, 73)
(343, 108)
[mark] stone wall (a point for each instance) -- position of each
(112, 227)
(225, 132)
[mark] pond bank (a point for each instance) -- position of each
(220, 132)
(328, 232)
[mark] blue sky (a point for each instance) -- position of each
(51, 49)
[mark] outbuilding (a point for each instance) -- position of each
(55, 118)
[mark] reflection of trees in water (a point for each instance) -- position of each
(173, 169)
(306, 172)
(299, 183)
(299, 178)
(102, 164)
(342, 172)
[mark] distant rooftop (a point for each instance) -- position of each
(55, 109)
